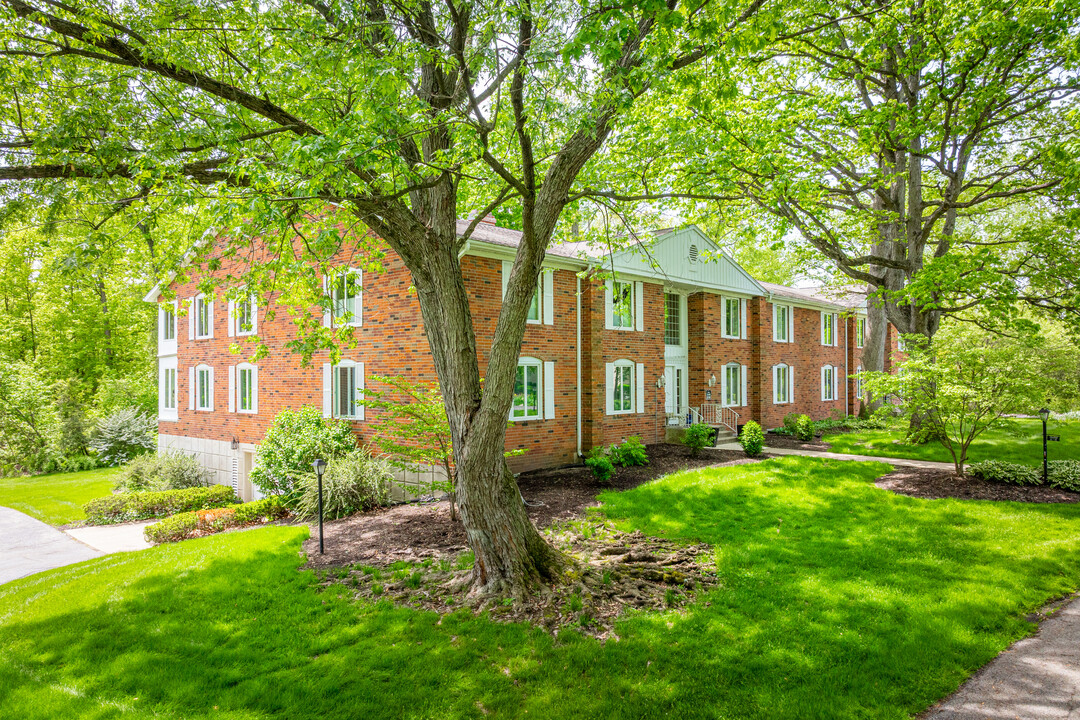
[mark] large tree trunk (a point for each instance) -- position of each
(512, 557)
(873, 354)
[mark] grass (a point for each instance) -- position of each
(56, 499)
(836, 600)
(1023, 446)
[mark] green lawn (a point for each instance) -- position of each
(837, 600)
(995, 444)
(56, 499)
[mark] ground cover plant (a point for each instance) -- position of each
(56, 499)
(835, 599)
(1020, 442)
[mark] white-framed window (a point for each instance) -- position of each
(783, 384)
(167, 321)
(346, 391)
(622, 390)
(167, 389)
(828, 383)
(783, 324)
(622, 304)
(542, 306)
(204, 388)
(858, 382)
(345, 287)
(203, 317)
(828, 328)
(247, 388)
(860, 331)
(732, 320)
(673, 334)
(733, 385)
(243, 315)
(527, 390)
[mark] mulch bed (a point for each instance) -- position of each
(424, 530)
(790, 442)
(937, 484)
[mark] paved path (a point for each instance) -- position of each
(902, 462)
(30, 546)
(113, 538)
(1038, 678)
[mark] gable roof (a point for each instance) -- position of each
(849, 298)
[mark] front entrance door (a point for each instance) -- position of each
(674, 389)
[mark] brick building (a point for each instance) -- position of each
(630, 343)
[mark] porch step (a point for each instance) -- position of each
(723, 435)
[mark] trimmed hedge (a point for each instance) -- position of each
(212, 520)
(752, 439)
(1062, 474)
(143, 505)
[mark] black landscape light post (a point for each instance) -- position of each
(320, 468)
(1044, 414)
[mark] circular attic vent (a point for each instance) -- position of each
(693, 253)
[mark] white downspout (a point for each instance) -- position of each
(847, 379)
(578, 347)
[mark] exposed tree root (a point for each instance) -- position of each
(607, 574)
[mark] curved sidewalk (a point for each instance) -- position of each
(31, 546)
(902, 462)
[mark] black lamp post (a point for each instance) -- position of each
(320, 468)
(1045, 415)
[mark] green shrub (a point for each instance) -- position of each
(632, 452)
(600, 464)
(1064, 474)
(999, 471)
(804, 428)
(79, 463)
(169, 471)
(189, 524)
(124, 434)
(153, 504)
(791, 423)
(752, 439)
(292, 443)
(698, 436)
(352, 483)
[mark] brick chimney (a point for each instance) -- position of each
(490, 220)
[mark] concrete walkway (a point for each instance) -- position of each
(113, 538)
(30, 546)
(1038, 678)
(902, 462)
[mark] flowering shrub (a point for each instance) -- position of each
(123, 435)
(293, 441)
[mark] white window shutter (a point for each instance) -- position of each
(549, 297)
(774, 313)
(327, 390)
(232, 389)
(609, 290)
(775, 375)
(835, 330)
(742, 317)
(211, 393)
(254, 389)
(549, 390)
(210, 318)
(743, 396)
(326, 317)
(191, 319)
(507, 267)
(253, 307)
(639, 306)
(609, 388)
(358, 306)
(822, 328)
(359, 390)
(639, 401)
(791, 324)
(723, 386)
(191, 388)
(791, 383)
(231, 318)
(823, 383)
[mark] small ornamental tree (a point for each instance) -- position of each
(411, 428)
(965, 382)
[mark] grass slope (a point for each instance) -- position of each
(56, 499)
(994, 444)
(858, 604)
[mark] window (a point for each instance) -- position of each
(346, 399)
(168, 322)
(346, 299)
(672, 319)
(732, 388)
(858, 382)
(167, 389)
(732, 318)
(534, 306)
(860, 332)
(246, 388)
(782, 323)
(828, 383)
(527, 391)
(246, 311)
(782, 384)
(204, 318)
(828, 328)
(204, 388)
(622, 304)
(623, 388)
